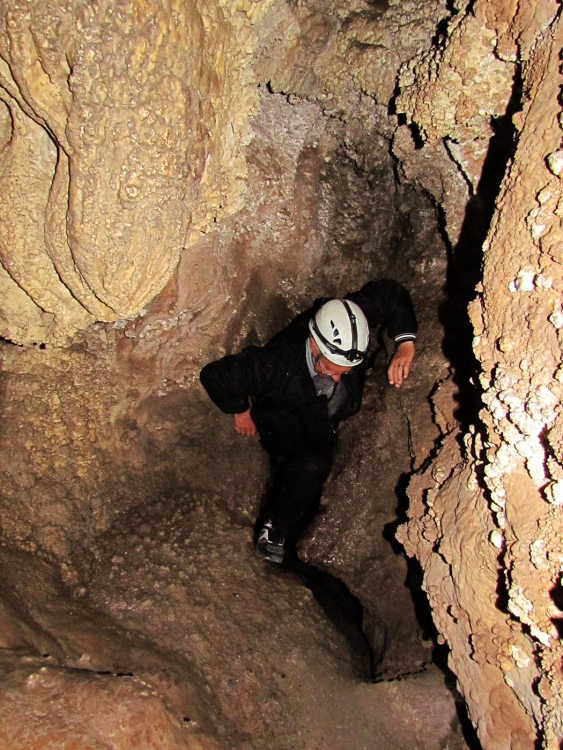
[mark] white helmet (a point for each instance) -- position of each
(341, 332)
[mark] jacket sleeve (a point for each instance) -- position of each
(388, 303)
(231, 380)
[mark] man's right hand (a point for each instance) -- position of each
(244, 424)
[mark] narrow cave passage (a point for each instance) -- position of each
(236, 646)
(185, 575)
(180, 181)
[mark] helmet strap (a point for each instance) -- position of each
(352, 324)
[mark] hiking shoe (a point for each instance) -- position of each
(270, 543)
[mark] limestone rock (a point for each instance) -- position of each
(121, 129)
(333, 51)
(452, 534)
(510, 476)
(62, 709)
(451, 94)
(179, 180)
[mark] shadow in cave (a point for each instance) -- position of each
(345, 612)
(556, 594)
(341, 607)
(440, 658)
(465, 261)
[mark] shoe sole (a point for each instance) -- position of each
(270, 556)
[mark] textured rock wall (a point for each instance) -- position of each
(74, 676)
(190, 203)
(452, 93)
(486, 520)
(123, 129)
(121, 133)
(323, 212)
(117, 419)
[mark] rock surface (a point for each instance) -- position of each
(111, 446)
(199, 648)
(126, 147)
(160, 209)
(484, 520)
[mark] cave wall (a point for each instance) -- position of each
(175, 207)
(131, 150)
(128, 148)
(105, 425)
(114, 418)
(485, 517)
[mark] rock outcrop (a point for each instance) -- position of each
(485, 519)
(121, 132)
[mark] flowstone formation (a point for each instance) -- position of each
(486, 519)
(114, 147)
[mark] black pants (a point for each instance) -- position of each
(301, 462)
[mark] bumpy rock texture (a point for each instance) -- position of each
(180, 179)
(126, 145)
(486, 520)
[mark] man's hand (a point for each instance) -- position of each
(244, 424)
(400, 364)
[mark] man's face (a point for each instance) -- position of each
(324, 366)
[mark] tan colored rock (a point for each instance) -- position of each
(523, 264)
(336, 51)
(125, 129)
(453, 91)
(514, 579)
(432, 168)
(455, 539)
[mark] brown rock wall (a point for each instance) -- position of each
(72, 677)
(117, 419)
(169, 193)
(127, 122)
(271, 669)
(507, 490)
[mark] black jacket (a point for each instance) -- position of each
(276, 379)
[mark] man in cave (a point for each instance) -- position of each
(297, 388)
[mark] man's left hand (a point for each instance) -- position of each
(399, 368)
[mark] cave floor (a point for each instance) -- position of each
(185, 638)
